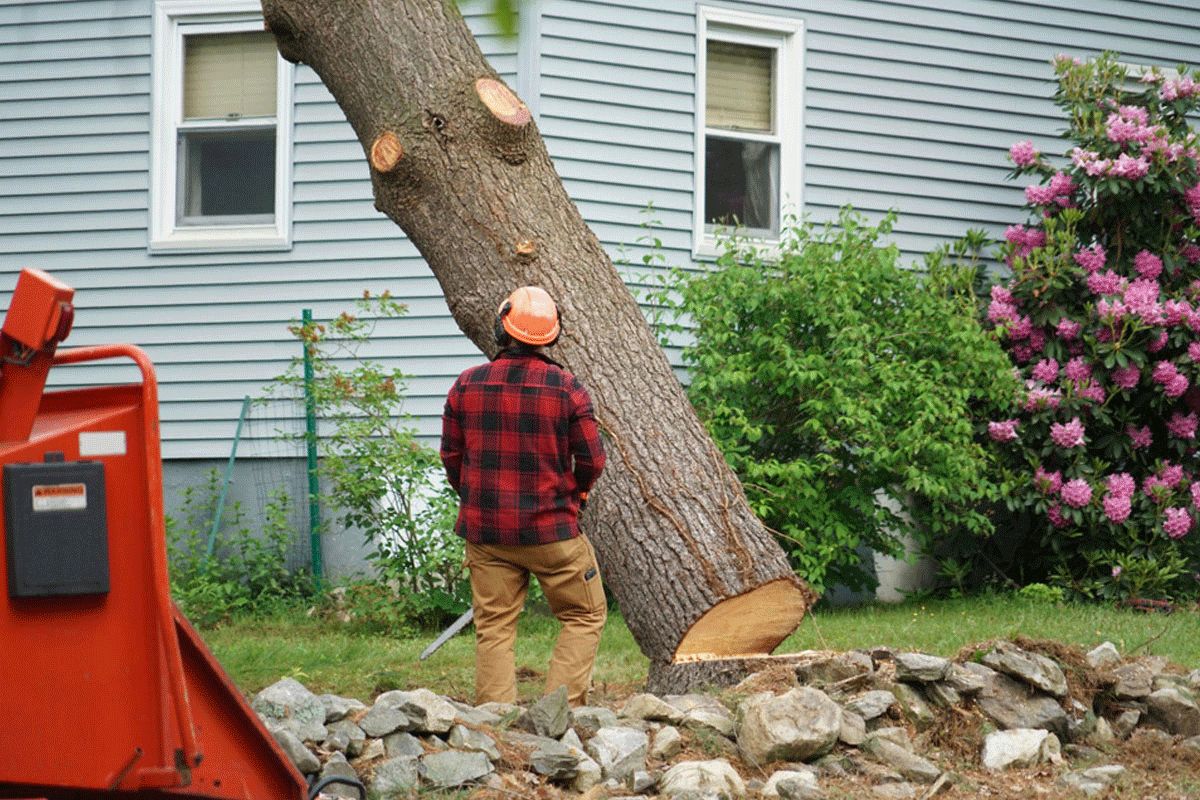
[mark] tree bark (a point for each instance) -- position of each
(457, 162)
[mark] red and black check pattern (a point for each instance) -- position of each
(519, 443)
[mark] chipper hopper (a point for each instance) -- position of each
(105, 688)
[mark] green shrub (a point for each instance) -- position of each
(830, 377)
(382, 480)
(240, 572)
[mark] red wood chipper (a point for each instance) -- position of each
(105, 688)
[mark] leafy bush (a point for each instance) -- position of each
(382, 480)
(242, 572)
(830, 377)
(1100, 317)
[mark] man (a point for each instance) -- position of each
(521, 448)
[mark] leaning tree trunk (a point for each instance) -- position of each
(457, 162)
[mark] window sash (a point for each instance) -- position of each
(740, 86)
(229, 75)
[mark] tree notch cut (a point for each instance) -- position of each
(386, 152)
(502, 103)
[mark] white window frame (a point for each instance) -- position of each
(785, 36)
(173, 19)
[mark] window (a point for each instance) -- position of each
(221, 152)
(748, 144)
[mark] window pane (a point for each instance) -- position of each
(229, 75)
(741, 183)
(738, 86)
(227, 173)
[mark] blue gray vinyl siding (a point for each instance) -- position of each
(75, 89)
(906, 106)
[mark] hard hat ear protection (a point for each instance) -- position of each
(530, 316)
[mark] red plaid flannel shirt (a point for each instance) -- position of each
(519, 443)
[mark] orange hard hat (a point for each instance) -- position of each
(529, 315)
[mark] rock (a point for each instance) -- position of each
(395, 776)
(1136, 680)
(969, 678)
(383, 718)
(650, 707)
(796, 726)
(1175, 711)
(453, 768)
(555, 760)
(1021, 747)
(427, 712)
(1009, 703)
(586, 720)
(912, 766)
(715, 779)
(464, 738)
(894, 791)
(1033, 668)
(1192, 743)
(872, 704)
(793, 784)
(942, 694)
(913, 706)
(619, 751)
(402, 743)
(921, 668)
(1125, 722)
(549, 716)
(288, 703)
(1104, 656)
(703, 711)
(854, 729)
(838, 669)
(338, 767)
(1092, 781)
(349, 733)
(338, 708)
(475, 717)
(666, 743)
(300, 756)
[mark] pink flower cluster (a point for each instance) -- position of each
(1076, 493)
(1107, 282)
(1004, 431)
(1159, 485)
(1118, 500)
(1176, 522)
(1047, 482)
(1148, 265)
(1126, 377)
(1192, 198)
(1091, 258)
(1056, 192)
(1123, 166)
(1067, 435)
(1176, 88)
(1140, 437)
(1167, 375)
(1183, 425)
(1023, 154)
(1025, 239)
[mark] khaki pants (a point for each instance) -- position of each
(570, 580)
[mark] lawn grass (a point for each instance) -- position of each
(328, 658)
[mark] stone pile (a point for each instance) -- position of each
(880, 714)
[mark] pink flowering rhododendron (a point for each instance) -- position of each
(1101, 318)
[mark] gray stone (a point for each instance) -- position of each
(1035, 669)
(619, 751)
(840, 669)
(969, 678)
(1092, 781)
(854, 729)
(910, 765)
(555, 760)
(586, 720)
(921, 668)
(383, 718)
(395, 776)
(709, 779)
(347, 731)
(464, 738)
(1020, 747)
(894, 791)
(942, 694)
(1136, 680)
(1008, 703)
(475, 717)
(453, 768)
(703, 711)
(796, 726)
(427, 712)
(650, 707)
(872, 704)
(913, 705)
(666, 743)
(289, 703)
(896, 734)
(402, 743)
(1125, 722)
(1104, 656)
(1192, 743)
(793, 784)
(338, 708)
(549, 716)
(1175, 711)
(338, 767)
(587, 774)
(300, 756)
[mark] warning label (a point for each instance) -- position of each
(60, 497)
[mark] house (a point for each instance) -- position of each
(198, 225)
